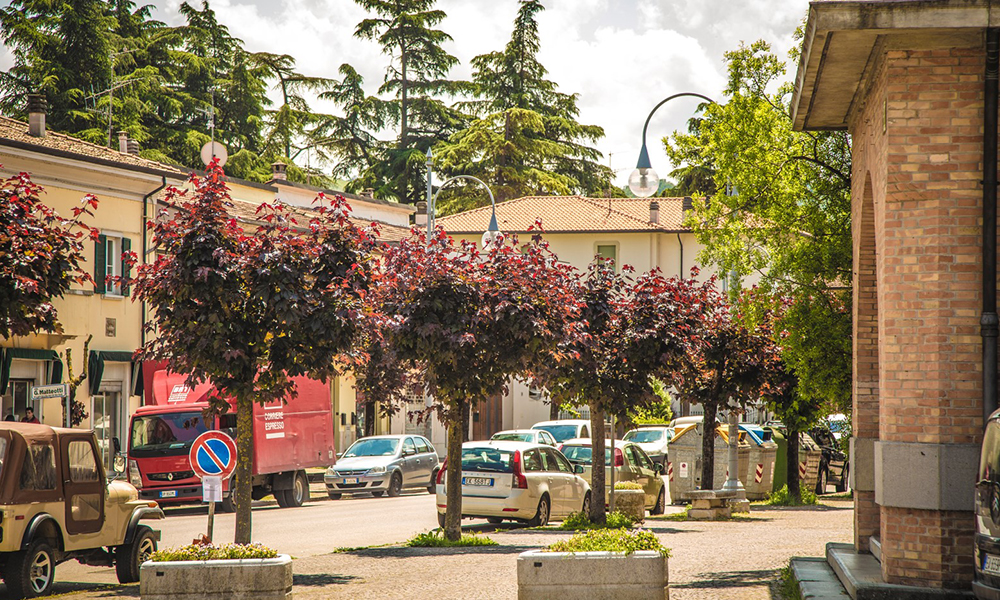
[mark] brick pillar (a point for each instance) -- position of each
(930, 284)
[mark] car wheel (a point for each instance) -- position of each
(432, 487)
(395, 485)
(334, 495)
(586, 505)
(441, 520)
(541, 518)
(661, 503)
(129, 557)
(378, 494)
(844, 478)
(494, 520)
(821, 482)
(30, 573)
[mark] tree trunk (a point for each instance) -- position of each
(466, 418)
(453, 480)
(553, 411)
(370, 418)
(708, 447)
(244, 469)
(792, 464)
(598, 512)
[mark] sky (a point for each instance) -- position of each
(620, 56)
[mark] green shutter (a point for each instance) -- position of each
(126, 270)
(100, 264)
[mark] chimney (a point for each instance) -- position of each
(132, 147)
(123, 142)
(688, 205)
(279, 171)
(654, 212)
(420, 217)
(368, 194)
(36, 115)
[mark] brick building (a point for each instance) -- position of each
(907, 79)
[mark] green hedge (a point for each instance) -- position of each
(626, 541)
(211, 552)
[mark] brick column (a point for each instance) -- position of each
(930, 284)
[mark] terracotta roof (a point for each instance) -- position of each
(247, 212)
(15, 133)
(571, 214)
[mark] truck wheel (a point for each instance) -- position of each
(129, 557)
(30, 573)
(297, 496)
(395, 485)
(228, 505)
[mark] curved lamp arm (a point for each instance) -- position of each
(433, 203)
(643, 162)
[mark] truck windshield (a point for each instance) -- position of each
(372, 447)
(642, 436)
(169, 434)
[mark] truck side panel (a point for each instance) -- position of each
(295, 435)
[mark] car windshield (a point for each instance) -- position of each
(373, 447)
(487, 459)
(584, 455)
(560, 432)
(643, 436)
(169, 434)
(512, 437)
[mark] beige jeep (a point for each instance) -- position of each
(56, 504)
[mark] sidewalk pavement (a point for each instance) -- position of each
(724, 560)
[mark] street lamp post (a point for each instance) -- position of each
(492, 231)
(644, 182)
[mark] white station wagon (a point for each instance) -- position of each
(517, 481)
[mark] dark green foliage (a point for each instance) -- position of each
(625, 541)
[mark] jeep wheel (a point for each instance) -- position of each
(129, 557)
(30, 573)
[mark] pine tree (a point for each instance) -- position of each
(526, 140)
(416, 77)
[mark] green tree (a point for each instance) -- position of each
(526, 140)
(416, 77)
(781, 212)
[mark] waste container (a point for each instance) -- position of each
(810, 455)
(684, 466)
(759, 475)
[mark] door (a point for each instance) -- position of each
(15, 401)
(411, 463)
(426, 463)
(647, 476)
(564, 481)
(104, 418)
(83, 484)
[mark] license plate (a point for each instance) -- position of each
(991, 564)
(481, 481)
(168, 494)
(351, 480)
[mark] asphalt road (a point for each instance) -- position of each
(316, 528)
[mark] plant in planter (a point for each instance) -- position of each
(579, 521)
(227, 571)
(630, 499)
(596, 564)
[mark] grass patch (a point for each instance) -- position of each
(788, 587)
(435, 539)
(346, 549)
(580, 522)
(848, 495)
(783, 498)
(211, 552)
(627, 485)
(626, 541)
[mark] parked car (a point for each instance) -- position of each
(833, 466)
(986, 548)
(57, 505)
(384, 464)
(631, 464)
(653, 439)
(518, 481)
(535, 436)
(565, 429)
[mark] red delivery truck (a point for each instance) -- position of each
(288, 438)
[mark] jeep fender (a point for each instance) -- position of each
(141, 513)
(36, 524)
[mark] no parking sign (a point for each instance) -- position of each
(213, 454)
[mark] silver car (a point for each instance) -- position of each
(654, 441)
(384, 464)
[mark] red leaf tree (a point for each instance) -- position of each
(634, 329)
(41, 255)
(467, 322)
(247, 311)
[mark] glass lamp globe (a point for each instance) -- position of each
(491, 237)
(644, 182)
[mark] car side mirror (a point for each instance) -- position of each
(409, 452)
(658, 468)
(578, 469)
(117, 444)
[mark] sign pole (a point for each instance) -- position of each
(211, 519)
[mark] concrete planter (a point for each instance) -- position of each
(592, 576)
(631, 502)
(249, 579)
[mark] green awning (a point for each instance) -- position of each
(95, 369)
(7, 356)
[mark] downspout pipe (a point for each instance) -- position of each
(142, 230)
(681, 266)
(989, 321)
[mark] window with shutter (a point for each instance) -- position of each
(100, 263)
